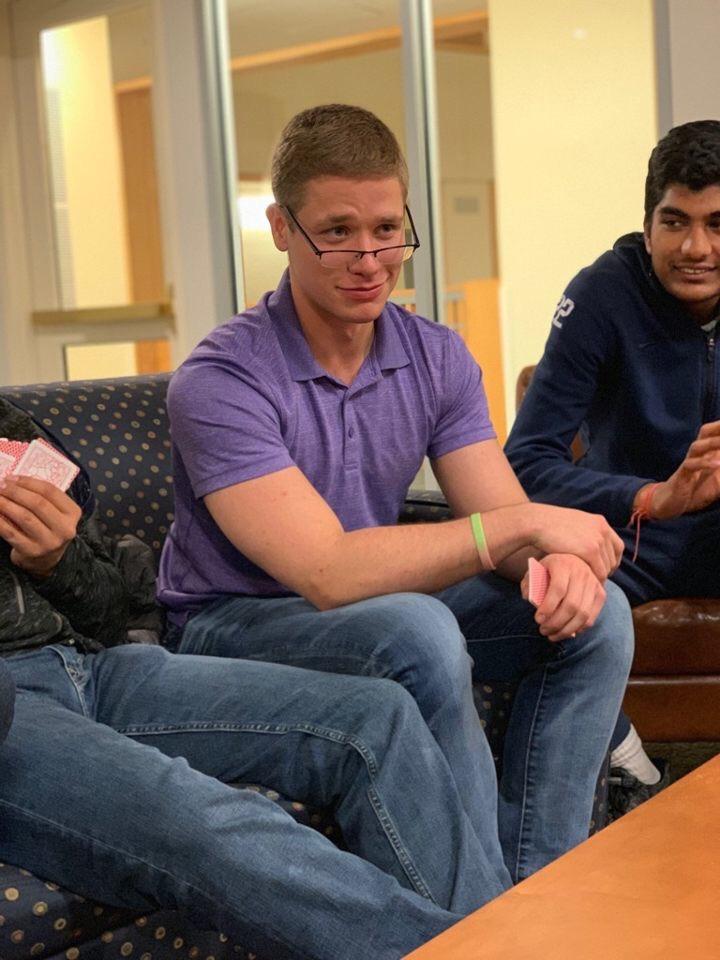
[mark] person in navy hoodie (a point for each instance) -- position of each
(631, 363)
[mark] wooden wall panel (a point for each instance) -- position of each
(153, 356)
(134, 108)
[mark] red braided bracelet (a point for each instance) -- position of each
(642, 512)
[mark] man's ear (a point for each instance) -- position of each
(278, 225)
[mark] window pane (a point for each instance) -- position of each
(97, 82)
(285, 57)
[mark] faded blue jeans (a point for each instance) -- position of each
(563, 715)
(113, 782)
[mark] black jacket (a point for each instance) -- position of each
(84, 602)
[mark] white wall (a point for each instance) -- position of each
(573, 95)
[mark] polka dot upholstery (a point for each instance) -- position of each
(118, 430)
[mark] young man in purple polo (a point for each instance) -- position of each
(297, 428)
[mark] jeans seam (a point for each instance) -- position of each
(297, 658)
(72, 676)
(327, 733)
(524, 805)
(118, 850)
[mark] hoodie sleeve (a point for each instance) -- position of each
(581, 351)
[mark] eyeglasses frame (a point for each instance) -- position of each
(361, 253)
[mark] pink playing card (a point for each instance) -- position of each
(7, 462)
(538, 582)
(44, 462)
(13, 448)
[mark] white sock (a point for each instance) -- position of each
(631, 756)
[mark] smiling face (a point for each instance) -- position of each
(683, 240)
(340, 213)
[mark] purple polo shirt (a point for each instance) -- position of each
(251, 399)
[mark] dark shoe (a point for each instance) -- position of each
(625, 792)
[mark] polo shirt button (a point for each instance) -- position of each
(351, 432)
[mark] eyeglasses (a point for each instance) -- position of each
(343, 258)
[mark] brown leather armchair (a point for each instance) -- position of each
(674, 688)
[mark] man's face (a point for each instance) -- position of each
(339, 213)
(683, 240)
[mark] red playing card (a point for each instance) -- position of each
(43, 461)
(538, 582)
(13, 448)
(6, 464)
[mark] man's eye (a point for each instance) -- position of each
(388, 230)
(672, 223)
(336, 233)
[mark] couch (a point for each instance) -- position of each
(118, 430)
(674, 689)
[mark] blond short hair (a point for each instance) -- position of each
(333, 140)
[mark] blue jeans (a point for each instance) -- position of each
(563, 715)
(113, 782)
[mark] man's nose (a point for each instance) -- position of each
(367, 264)
(697, 243)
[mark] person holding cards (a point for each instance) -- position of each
(298, 427)
(114, 771)
(631, 362)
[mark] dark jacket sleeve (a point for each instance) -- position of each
(87, 588)
(580, 351)
(7, 700)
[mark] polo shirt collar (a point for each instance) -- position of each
(388, 352)
(302, 365)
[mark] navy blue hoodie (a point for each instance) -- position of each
(627, 366)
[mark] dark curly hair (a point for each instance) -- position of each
(688, 155)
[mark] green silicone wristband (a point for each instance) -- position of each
(478, 532)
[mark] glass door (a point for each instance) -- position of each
(84, 72)
(467, 188)
(283, 58)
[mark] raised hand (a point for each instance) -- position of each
(38, 521)
(696, 482)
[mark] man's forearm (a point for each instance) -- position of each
(420, 558)
(284, 526)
